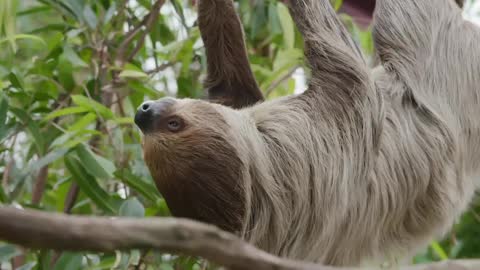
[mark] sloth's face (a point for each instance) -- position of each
(196, 168)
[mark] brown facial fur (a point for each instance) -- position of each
(196, 169)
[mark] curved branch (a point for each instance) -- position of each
(42, 230)
(143, 27)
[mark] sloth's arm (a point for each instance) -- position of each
(338, 68)
(230, 80)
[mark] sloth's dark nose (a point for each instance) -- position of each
(151, 111)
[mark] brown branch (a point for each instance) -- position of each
(278, 82)
(71, 198)
(40, 184)
(159, 68)
(18, 260)
(37, 229)
(151, 19)
(144, 26)
(6, 173)
(10, 164)
(129, 37)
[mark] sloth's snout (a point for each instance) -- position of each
(151, 111)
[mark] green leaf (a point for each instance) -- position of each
(90, 17)
(124, 120)
(27, 266)
(93, 105)
(75, 7)
(44, 259)
(89, 161)
(73, 57)
(7, 252)
(106, 164)
(132, 71)
(106, 263)
(32, 10)
(3, 116)
(71, 139)
(65, 72)
(185, 54)
(132, 74)
(25, 36)
(366, 40)
(275, 26)
(8, 10)
(121, 261)
(455, 250)
(258, 19)
(32, 127)
(83, 122)
(3, 195)
(286, 59)
(177, 5)
(135, 256)
(338, 4)
(132, 208)
(69, 261)
(439, 250)
(162, 208)
(162, 32)
(165, 266)
(110, 13)
(139, 87)
(15, 81)
(287, 25)
(284, 62)
(88, 184)
(146, 189)
(66, 111)
(49, 158)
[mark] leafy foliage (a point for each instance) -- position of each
(72, 73)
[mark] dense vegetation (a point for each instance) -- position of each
(72, 73)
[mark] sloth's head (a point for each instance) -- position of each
(190, 154)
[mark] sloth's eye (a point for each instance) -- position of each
(174, 124)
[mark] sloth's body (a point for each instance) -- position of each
(363, 165)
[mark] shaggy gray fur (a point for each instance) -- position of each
(367, 165)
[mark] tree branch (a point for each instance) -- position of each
(37, 229)
(281, 80)
(148, 26)
(159, 68)
(40, 184)
(144, 26)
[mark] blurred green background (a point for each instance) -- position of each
(71, 78)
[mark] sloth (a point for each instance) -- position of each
(365, 165)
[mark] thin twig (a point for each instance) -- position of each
(144, 26)
(278, 82)
(129, 37)
(6, 173)
(40, 184)
(151, 20)
(8, 167)
(160, 68)
(71, 198)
